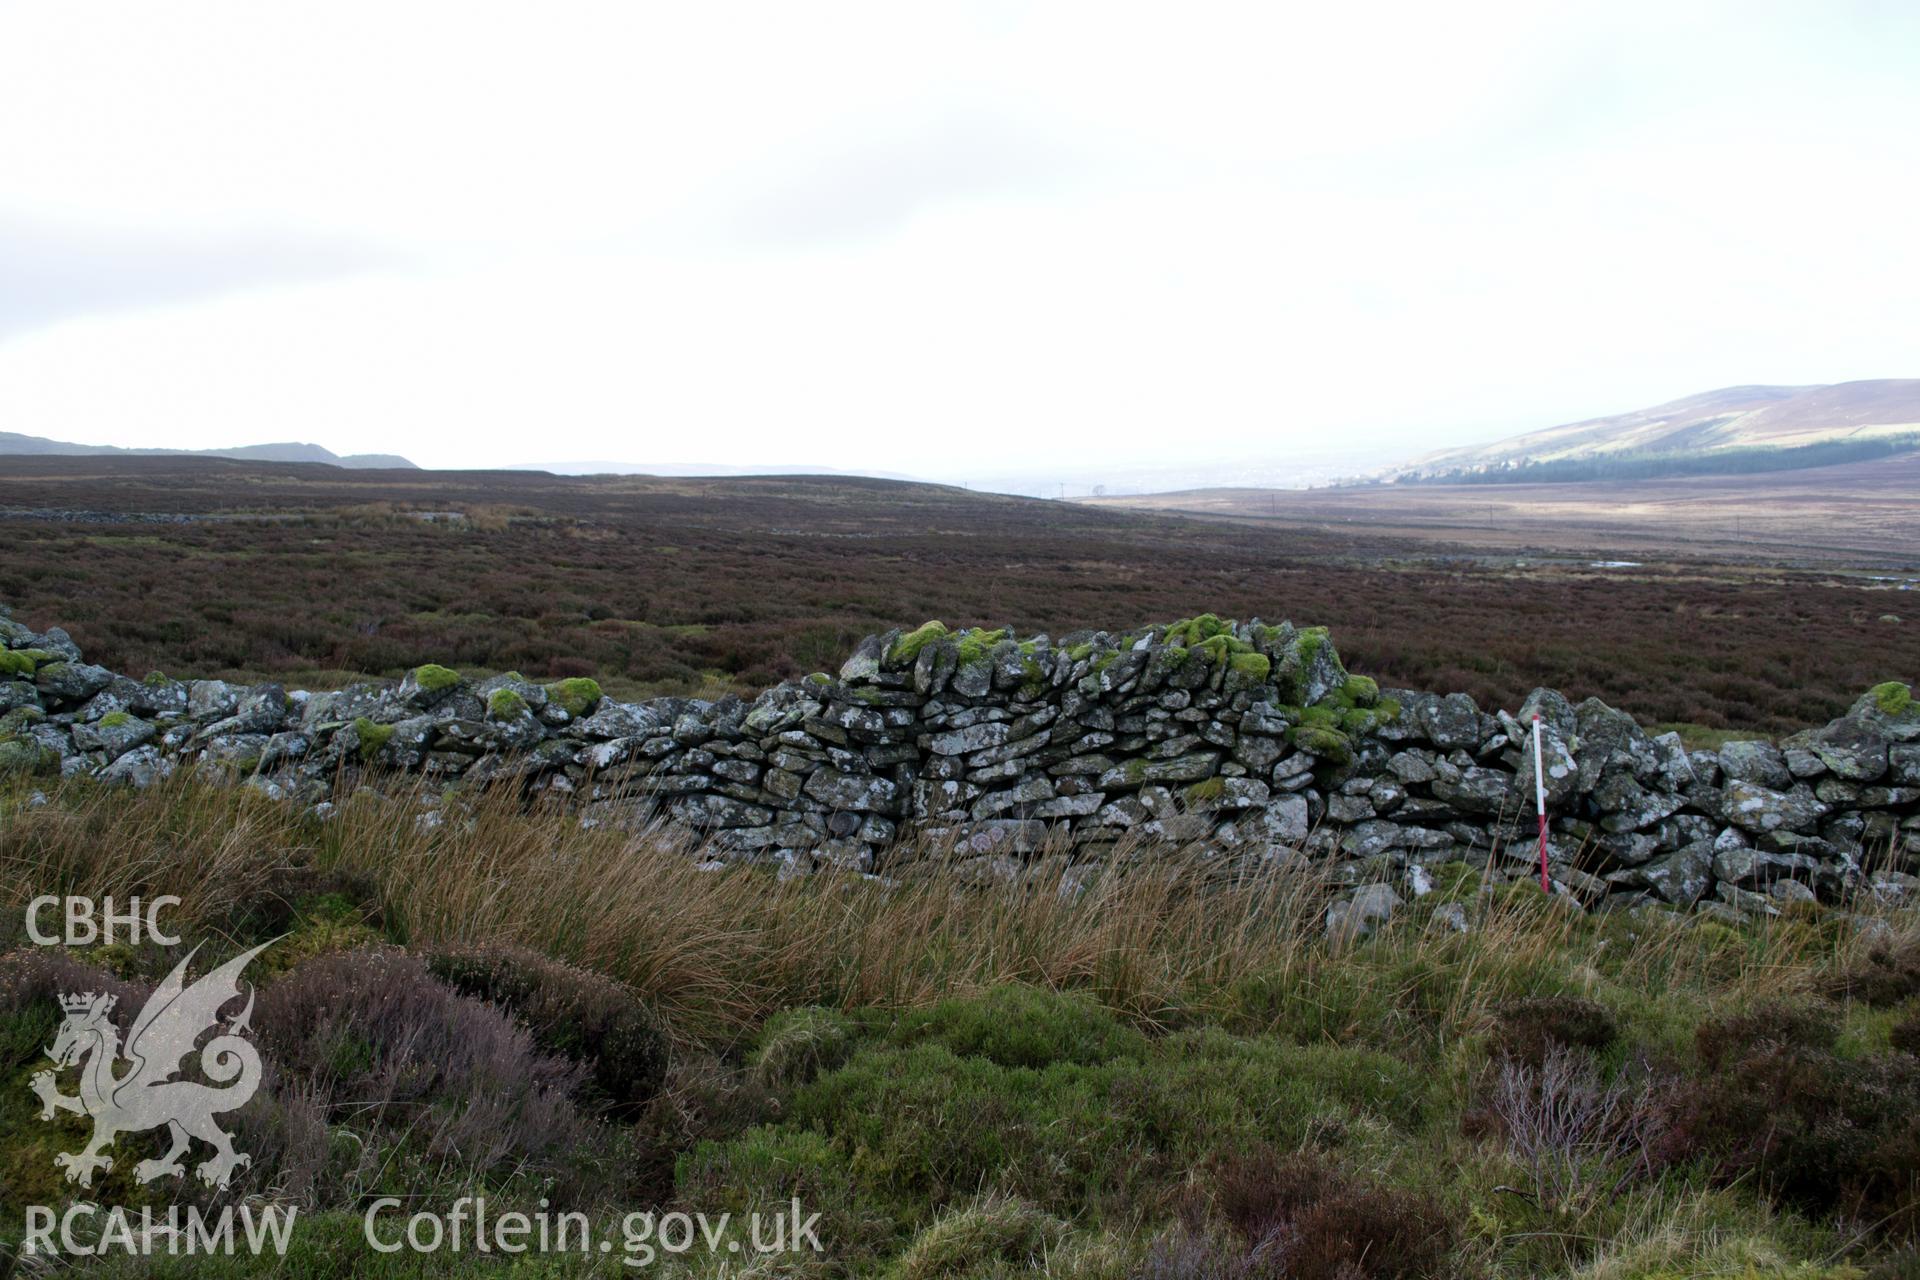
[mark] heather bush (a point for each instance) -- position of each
(1302, 1216)
(1775, 1103)
(1530, 1031)
(381, 1043)
(1886, 975)
(574, 1012)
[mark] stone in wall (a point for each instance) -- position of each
(1242, 741)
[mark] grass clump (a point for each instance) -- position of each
(983, 1237)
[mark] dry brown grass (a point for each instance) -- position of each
(717, 951)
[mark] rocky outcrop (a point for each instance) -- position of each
(1250, 742)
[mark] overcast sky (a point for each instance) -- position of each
(939, 240)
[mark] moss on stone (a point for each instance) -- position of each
(16, 662)
(19, 718)
(1135, 770)
(819, 679)
(1892, 697)
(908, 647)
(1357, 721)
(20, 756)
(433, 677)
(1361, 691)
(576, 696)
(114, 719)
(1251, 668)
(154, 679)
(1222, 648)
(1205, 791)
(1080, 652)
(372, 736)
(505, 704)
(974, 645)
(1320, 717)
(1308, 641)
(1328, 744)
(1192, 632)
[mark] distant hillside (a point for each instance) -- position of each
(12, 442)
(1819, 425)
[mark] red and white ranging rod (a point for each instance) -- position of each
(1540, 803)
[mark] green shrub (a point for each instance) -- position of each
(925, 1126)
(1022, 1026)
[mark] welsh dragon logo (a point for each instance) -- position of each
(146, 1095)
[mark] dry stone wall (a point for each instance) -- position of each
(1248, 741)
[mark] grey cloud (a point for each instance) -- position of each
(49, 274)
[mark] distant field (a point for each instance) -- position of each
(309, 574)
(1863, 512)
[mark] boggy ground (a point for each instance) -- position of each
(1169, 1073)
(311, 575)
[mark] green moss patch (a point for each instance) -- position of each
(576, 696)
(372, 736)
(16, 662)
(505, 704)
(1328, 744)
(433, 677)
(908, 647)
(1893, 698)
(976, 644)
